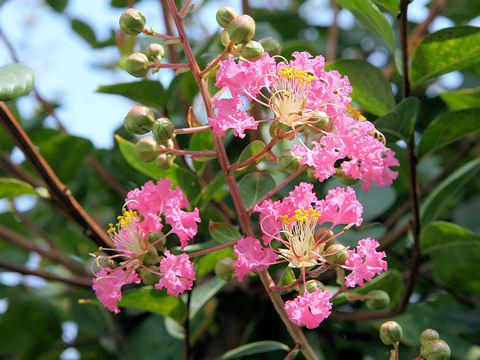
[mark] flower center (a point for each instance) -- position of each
(125, 219)
(290, 94)
(299, 231)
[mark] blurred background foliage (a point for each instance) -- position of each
(44, 319)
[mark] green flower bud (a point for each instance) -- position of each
(271, 46)
(436, 350)
(132, 22)
(225, 38)
(151, 257)
(279, 129)
(428, 335)
(345, 179)
(313, 284)
(377, 299)
(163, 129)
(289, 162)
(164, 161)
(139, 120)
(225, 16)
(242, 29)
(154, 236)
(390, 332)
(137, 64)
(147, 149)
(224, 269)
(155, 51)
(340, 254)
(252, 50)
(147, 277)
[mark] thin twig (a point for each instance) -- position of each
(421, 29)
(107, 176)
(255, 156)
(186, 328)
(332, 34)
(193, 129)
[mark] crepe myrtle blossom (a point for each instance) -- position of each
(137, 240)
(303, 225)
(304, 97)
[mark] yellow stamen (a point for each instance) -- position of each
(299, 74)
(126, 218)
(355, 113)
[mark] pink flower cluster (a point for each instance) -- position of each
(293, 222)
(146, 206)
(301, 92)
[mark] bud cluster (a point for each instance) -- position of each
(432, 347)
(141, 120)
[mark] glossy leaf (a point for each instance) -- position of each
(223, 233)
(15, 80)
(250, 150)
(390, 5)
(434, 204)
(253, 186)
(462, 99)
(444, 51)
(448, 128)
(204, 293)
(216, 187)
(371, 90)
(146, 92)
(258, 347)
(399, 123)
(455, 252)
(10, 188)
(368, 14)
(57, 5)
(156, 301)
(202, 141)
(207, 262)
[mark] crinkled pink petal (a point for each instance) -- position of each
(310, 309)
(324, 155)
(305, 61)
(183, 223)
(229, 116)
(108, 286)
(341, 207)
(251, 255)
(178, 274)
(364, 262)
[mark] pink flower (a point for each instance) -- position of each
(364, 262)
(108, 283)
(310, 309)
(178, 274)
(341, 207)
(251, 256)
(229, 116)
(153, 200)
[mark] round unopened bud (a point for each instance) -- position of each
(224, 38)
(139, 120)
(164, 161)
(313, 284)
(155, 51)
(278, 129)
(289, 162)
(271, 46)
(390, 332)
(242, 29)
(146, 149)
(151, 257)
(436, 350)
(132, 22)
(224, 269)
(137, 64)
(225, 16)
(252, 50)
(163, 129)
(339, 254)
(428, 335)
(149, 278)
(377, 299)
(153, 237)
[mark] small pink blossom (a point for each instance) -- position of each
(230, 116)
(108, 284)
(178, 274)
(251, 256)
(364, 262)
(341, 207)
(310, 309)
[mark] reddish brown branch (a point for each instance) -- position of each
(332, 34)
(107, 176)
(59, 191)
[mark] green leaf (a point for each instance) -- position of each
(371, 89)
(455, 252)
(433, 205)
(146, 92)
(253, 186)
(462, 99)
(448, 128)
(251, 149)
(444, 51)
(202, 141)
(401, 121)
(223, 233)
(156, 301)
(12, 187)
(390, 5)
(207, 262)
(203, 293)
(15, 80)
(389, 281)
(258, 347)
(57, 5)
(216, 187)
(368, 14)
(85, 31)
